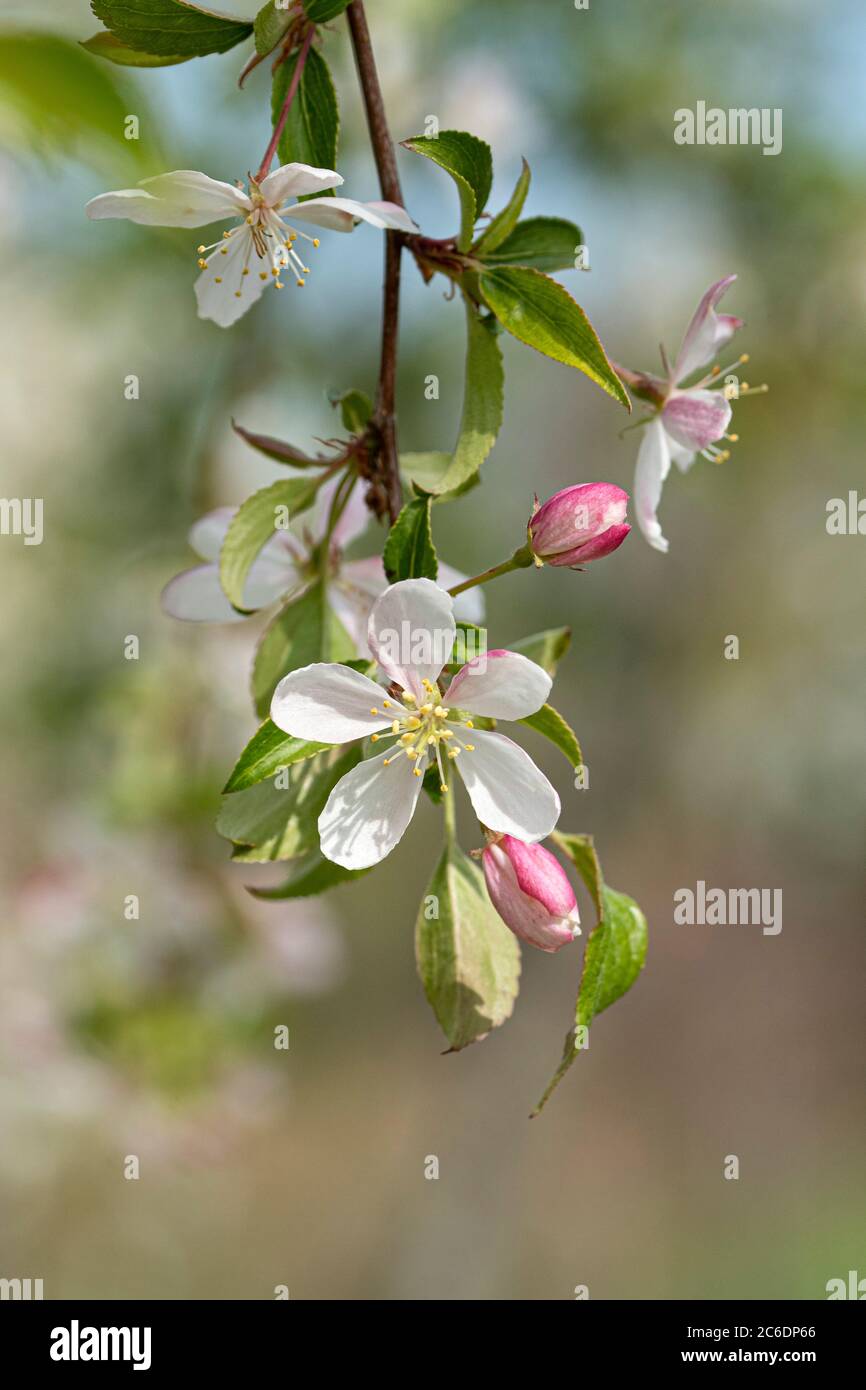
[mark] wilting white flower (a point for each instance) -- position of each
(411, 632)
(287, 565)
(237, 268)
(689, 420)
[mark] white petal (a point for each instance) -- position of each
(196, 597)
(341, 214)
(294, 180)
(184, 198)
(411, 632)
(507, 791)
(352, 595)
(227, 301)
(707, 332)
(500, 685)
(272, 574)
(470, 606)
(653, 466)
(206, 535)
(368, 811)
(329, 703)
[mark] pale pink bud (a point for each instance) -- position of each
(531, 892)
(579, 524)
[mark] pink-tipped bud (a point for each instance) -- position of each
(530, 891)
(579, 524)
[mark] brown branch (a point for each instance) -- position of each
(384, 416)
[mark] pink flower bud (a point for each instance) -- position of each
(530, 891)
(579, 524)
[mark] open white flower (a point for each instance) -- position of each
(286, 565)
(411, 632)
(237, 268)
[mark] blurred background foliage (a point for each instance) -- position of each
(154, 1036)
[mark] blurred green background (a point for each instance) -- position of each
(154, 1036)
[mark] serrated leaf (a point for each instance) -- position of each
(541, 313)
(356, 409)
(615, 951)
(54, 101)
(483, 395)
(504, 222)
(267, 822)
(106, 45)
(312, 130)
(546, 649)
(254, 523)
(540, 243)
(409, 550)
(469, 162)
(306, 630)
(550, 723)
(310, 875)
(320, 11)
(426, 471)
(468, 960)
(271, 25)
(269, 750)
(171, 26)
(276, 449)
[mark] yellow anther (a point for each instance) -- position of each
(470, 747)
(431, 738)
(374, 710)
(238, 294)
(412, 753)
(469, 724)
(246, 270)
(300, 284)
(440, 712)
(413, 722)
(226, 235)
(443, 787)
(428, 685)
(395, 727)
(716, 369)
(408, 697)
(218, 280)
(418, 772)
(315, 241)
(201, 250)
(279, 284)
(427, 709)
(453, 752)
(744, 357)
(734, 438)
(223, 251)
(446, 733)
(387, 704)
(387, 761)
(374, 738)
(263, 275)
(202, 264)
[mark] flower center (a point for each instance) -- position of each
(264, 234)
(426, 731)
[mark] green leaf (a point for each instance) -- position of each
(276, 449)
(320, 11)
(550, 723)
(313, 127)
(106, 45)
(306, 630)
(426, 471)
(267, 752)
(55, 101)
(546, 649)
(409, 550)
(468, 960)
(311, 874)
(543, 315)
(482, 402)
(254, 523)
(171, 26)
(543, 243)
(268, 822)
(470, 164)
(271, 25)
(615, 951)
(355, 409)
(504, 222)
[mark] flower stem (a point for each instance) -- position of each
(519, 560)
(286, 107)
(384, 416)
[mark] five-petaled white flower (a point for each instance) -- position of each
(410, 633)
(287, 565)
(237, 268)
(689, 420)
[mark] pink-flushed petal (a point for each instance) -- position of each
(329, 703)
(540, 874)
(195, 596)
(341, 214)
(521, 908)
(294, 180)
(683, 458)
(354, 518)
(352, 595)
(576, 514)
(500, 685)
(507, 791)
(595, 549)
(653, 466)
(206, 535)
(184, 198)
(695, 419)
(411, 632)
(368, 811)
(223, 291)
(707, 332)
(469, 607)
